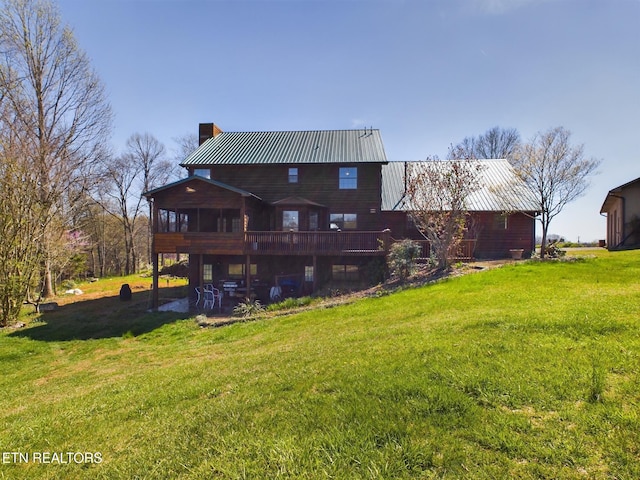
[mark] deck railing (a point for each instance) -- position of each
(463, 252)
(317, 243)
(274, 243)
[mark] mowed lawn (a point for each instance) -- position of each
(525, 371)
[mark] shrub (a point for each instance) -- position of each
(402, 258)
(248, 308)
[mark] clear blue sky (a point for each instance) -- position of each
(426, 73)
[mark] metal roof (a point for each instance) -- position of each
(317, 146)
(501, 190)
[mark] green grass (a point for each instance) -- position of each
(525, 371)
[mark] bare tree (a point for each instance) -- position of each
(187, 143)
(555, 171)
(436, 199)
(58, 107)
(494, 143)
(141, 168)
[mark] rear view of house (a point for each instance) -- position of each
(298, 209)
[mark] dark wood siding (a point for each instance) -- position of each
(197, 194)
(493, 240)
(318, 183)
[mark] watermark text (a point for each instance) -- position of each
(51, 458)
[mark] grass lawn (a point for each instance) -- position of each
(526, 371)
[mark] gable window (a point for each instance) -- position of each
(203, 172)
(348, 178)
(293, 175)
(343, 221)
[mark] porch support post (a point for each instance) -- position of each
(315, 273)
(155, 300)
(155, 297)
(247, 275)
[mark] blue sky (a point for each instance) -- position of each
(427, 73)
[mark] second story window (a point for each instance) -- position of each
(343, 221)
(348, 178)
(293, 175)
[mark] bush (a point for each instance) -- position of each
(289, 303)
(402, 258)
(248, 308)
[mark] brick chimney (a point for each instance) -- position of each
(207, 131)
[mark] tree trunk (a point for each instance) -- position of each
(47, 287)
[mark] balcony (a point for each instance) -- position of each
(274, 243)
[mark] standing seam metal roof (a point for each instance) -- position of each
(290, 147)
(500, 189)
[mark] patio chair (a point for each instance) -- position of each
(211, 296)
(198, 296)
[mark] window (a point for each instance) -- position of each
(236, 225)
(343, 221)
(202, 172)
(500, 221)
(293, 175)
(290, 220)
(172, 221)
(238, 270)
(348, 178)
(207, 273)
(308, 273)
(313, 221)
(345, 272)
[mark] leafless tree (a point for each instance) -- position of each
(186, 143)
(58, 108)
(436, 199)
(494, 143)
(557, 172)
(140, 168)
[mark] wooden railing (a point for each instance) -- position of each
(317, 243)
(274, 243)
(464, 251)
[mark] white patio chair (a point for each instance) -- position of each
(198, 296)
(209, 299)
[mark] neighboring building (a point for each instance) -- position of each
(299, 209)
(622, 207)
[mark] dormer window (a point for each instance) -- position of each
(293, 175)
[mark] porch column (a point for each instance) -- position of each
(315, 273)
(247, 275)
(155, 300)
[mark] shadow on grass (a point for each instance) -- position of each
(105, 317)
